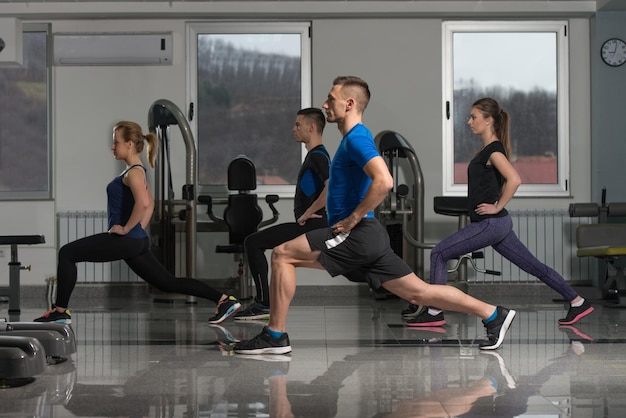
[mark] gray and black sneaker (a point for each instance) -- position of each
(264, 343)
(496, 329)
(255, 311)
(225, 309)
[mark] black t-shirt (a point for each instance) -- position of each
(311, 178)
(484, 181)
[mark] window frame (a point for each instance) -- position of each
(212, 27)
(561, 187)
(25, 195)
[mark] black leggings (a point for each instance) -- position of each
(136, 253)
(266, 239)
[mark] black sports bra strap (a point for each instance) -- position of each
(131, 167)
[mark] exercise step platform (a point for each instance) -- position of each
(21, 358)
(58, 340)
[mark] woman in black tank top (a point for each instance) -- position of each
(492, 182)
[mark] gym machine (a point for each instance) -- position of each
(398, 207)
(605, 241)
(403, 203)
(163, 113)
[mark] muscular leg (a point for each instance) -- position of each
(418, 292)
(285, 258)
(267, 239)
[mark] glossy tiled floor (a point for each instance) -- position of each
(352, 357)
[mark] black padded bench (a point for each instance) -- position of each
(13, 290)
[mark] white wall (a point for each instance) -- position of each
(400, 59)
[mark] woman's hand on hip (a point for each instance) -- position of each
(118, 230)
(487, 209)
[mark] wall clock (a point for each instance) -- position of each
(613, 52)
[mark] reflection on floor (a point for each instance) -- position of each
(352, 358)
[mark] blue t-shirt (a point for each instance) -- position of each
(120, 204)
(348, 183)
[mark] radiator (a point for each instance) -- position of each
(74, 225)
(551, 236)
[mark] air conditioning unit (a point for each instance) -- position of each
(112, 49)
(10, 41)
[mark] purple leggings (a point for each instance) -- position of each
(497, 233)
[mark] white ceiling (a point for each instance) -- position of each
(119, 9)
(600, 5)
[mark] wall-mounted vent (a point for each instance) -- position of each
(113, 49)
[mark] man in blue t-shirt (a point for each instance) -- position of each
(355, 240)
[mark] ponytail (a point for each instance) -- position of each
(502, 130)
(153, 148)
(131, 132)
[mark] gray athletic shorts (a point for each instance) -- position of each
(365, 250)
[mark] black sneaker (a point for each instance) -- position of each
(575, 314)
(255, 311)
(496, 329)
(412, 311)
(264, 344)
(53, 315)
(427, 320)
(225, 310)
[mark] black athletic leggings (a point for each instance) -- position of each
(136, 253)
(266, 239)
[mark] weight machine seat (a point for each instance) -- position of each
(601, 240)
(242, 216)
(21, 239)
(242, 213)
(451, 205)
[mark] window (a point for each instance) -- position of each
(24, 121)
(523, 65)
(248, 82)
